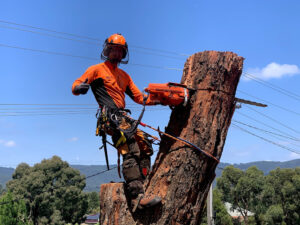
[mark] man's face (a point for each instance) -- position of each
(115, 53)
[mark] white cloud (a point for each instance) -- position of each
(294, 155)
(274, 70)
(73, 139)
(8, 143)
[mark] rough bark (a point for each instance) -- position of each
(181, 175)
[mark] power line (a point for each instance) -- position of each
(89, 38)
(86, 42)
(260, 122)
(83, 57)
(274, 120)
(266, 131)
(58, 113)
(51, 35)
(46, 104)
(267, 140)
(270, 103)
(46, 114)
(273, 87)
(43, 108)
(18, 112)
(275, 135)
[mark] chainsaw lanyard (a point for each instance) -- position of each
(183, 141)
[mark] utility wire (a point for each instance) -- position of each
(260, 122)
(87, 110)
(267, 140)
(270, 103)
(84, 57)
(89, 38)
(37, 113)
(274, 120)
(275, 135)
(266, 131)
(86, 42)
(272, 86)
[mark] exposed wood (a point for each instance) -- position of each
(181, 176)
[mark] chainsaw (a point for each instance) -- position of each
(174, 94)
(171, 94)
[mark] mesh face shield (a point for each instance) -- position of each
(107, 48)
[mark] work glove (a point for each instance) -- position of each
(82, 88)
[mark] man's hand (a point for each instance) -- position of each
(82, 88)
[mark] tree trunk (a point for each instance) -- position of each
(182, 175)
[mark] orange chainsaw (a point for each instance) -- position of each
(172, 94)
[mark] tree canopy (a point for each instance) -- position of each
(12, 212)
(274, 198)
(52, 191)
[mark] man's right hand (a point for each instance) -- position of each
(82, 88)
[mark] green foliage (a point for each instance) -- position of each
(283, 196)
(2, 190)
(93, 202)
(243, 190)
(52, 191)
(222, 216)
(12, 212)
(274, 199)
(274, 215)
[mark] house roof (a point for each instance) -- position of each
(92, 218)
(235, 213)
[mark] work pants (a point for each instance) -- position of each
(136, 152)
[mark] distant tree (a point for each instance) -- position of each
(93, 202)
(52, 191)
(274, 215)
(12, 212)
(222, 216)
(243, 190)
(282, 196)
(2, 190)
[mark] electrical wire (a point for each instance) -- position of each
(270, 103)
(90, 38)
(274, 120)
(275, 135)
(267, 140)
(84, 57)
(87, 42)
(260, 122)
(272, 86)
(266, 131)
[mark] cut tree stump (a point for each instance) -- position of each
(181, 175)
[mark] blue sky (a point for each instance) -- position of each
(265, 33)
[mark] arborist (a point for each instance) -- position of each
(109, 85)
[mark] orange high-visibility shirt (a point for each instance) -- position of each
(109, 85)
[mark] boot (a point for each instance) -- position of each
(142, 202)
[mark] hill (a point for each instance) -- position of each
(93, 183)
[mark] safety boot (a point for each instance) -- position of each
(142, 202)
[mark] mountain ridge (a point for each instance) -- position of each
(94, 182)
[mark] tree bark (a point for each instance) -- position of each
(182, 175)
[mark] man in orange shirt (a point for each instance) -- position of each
(109, 85)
